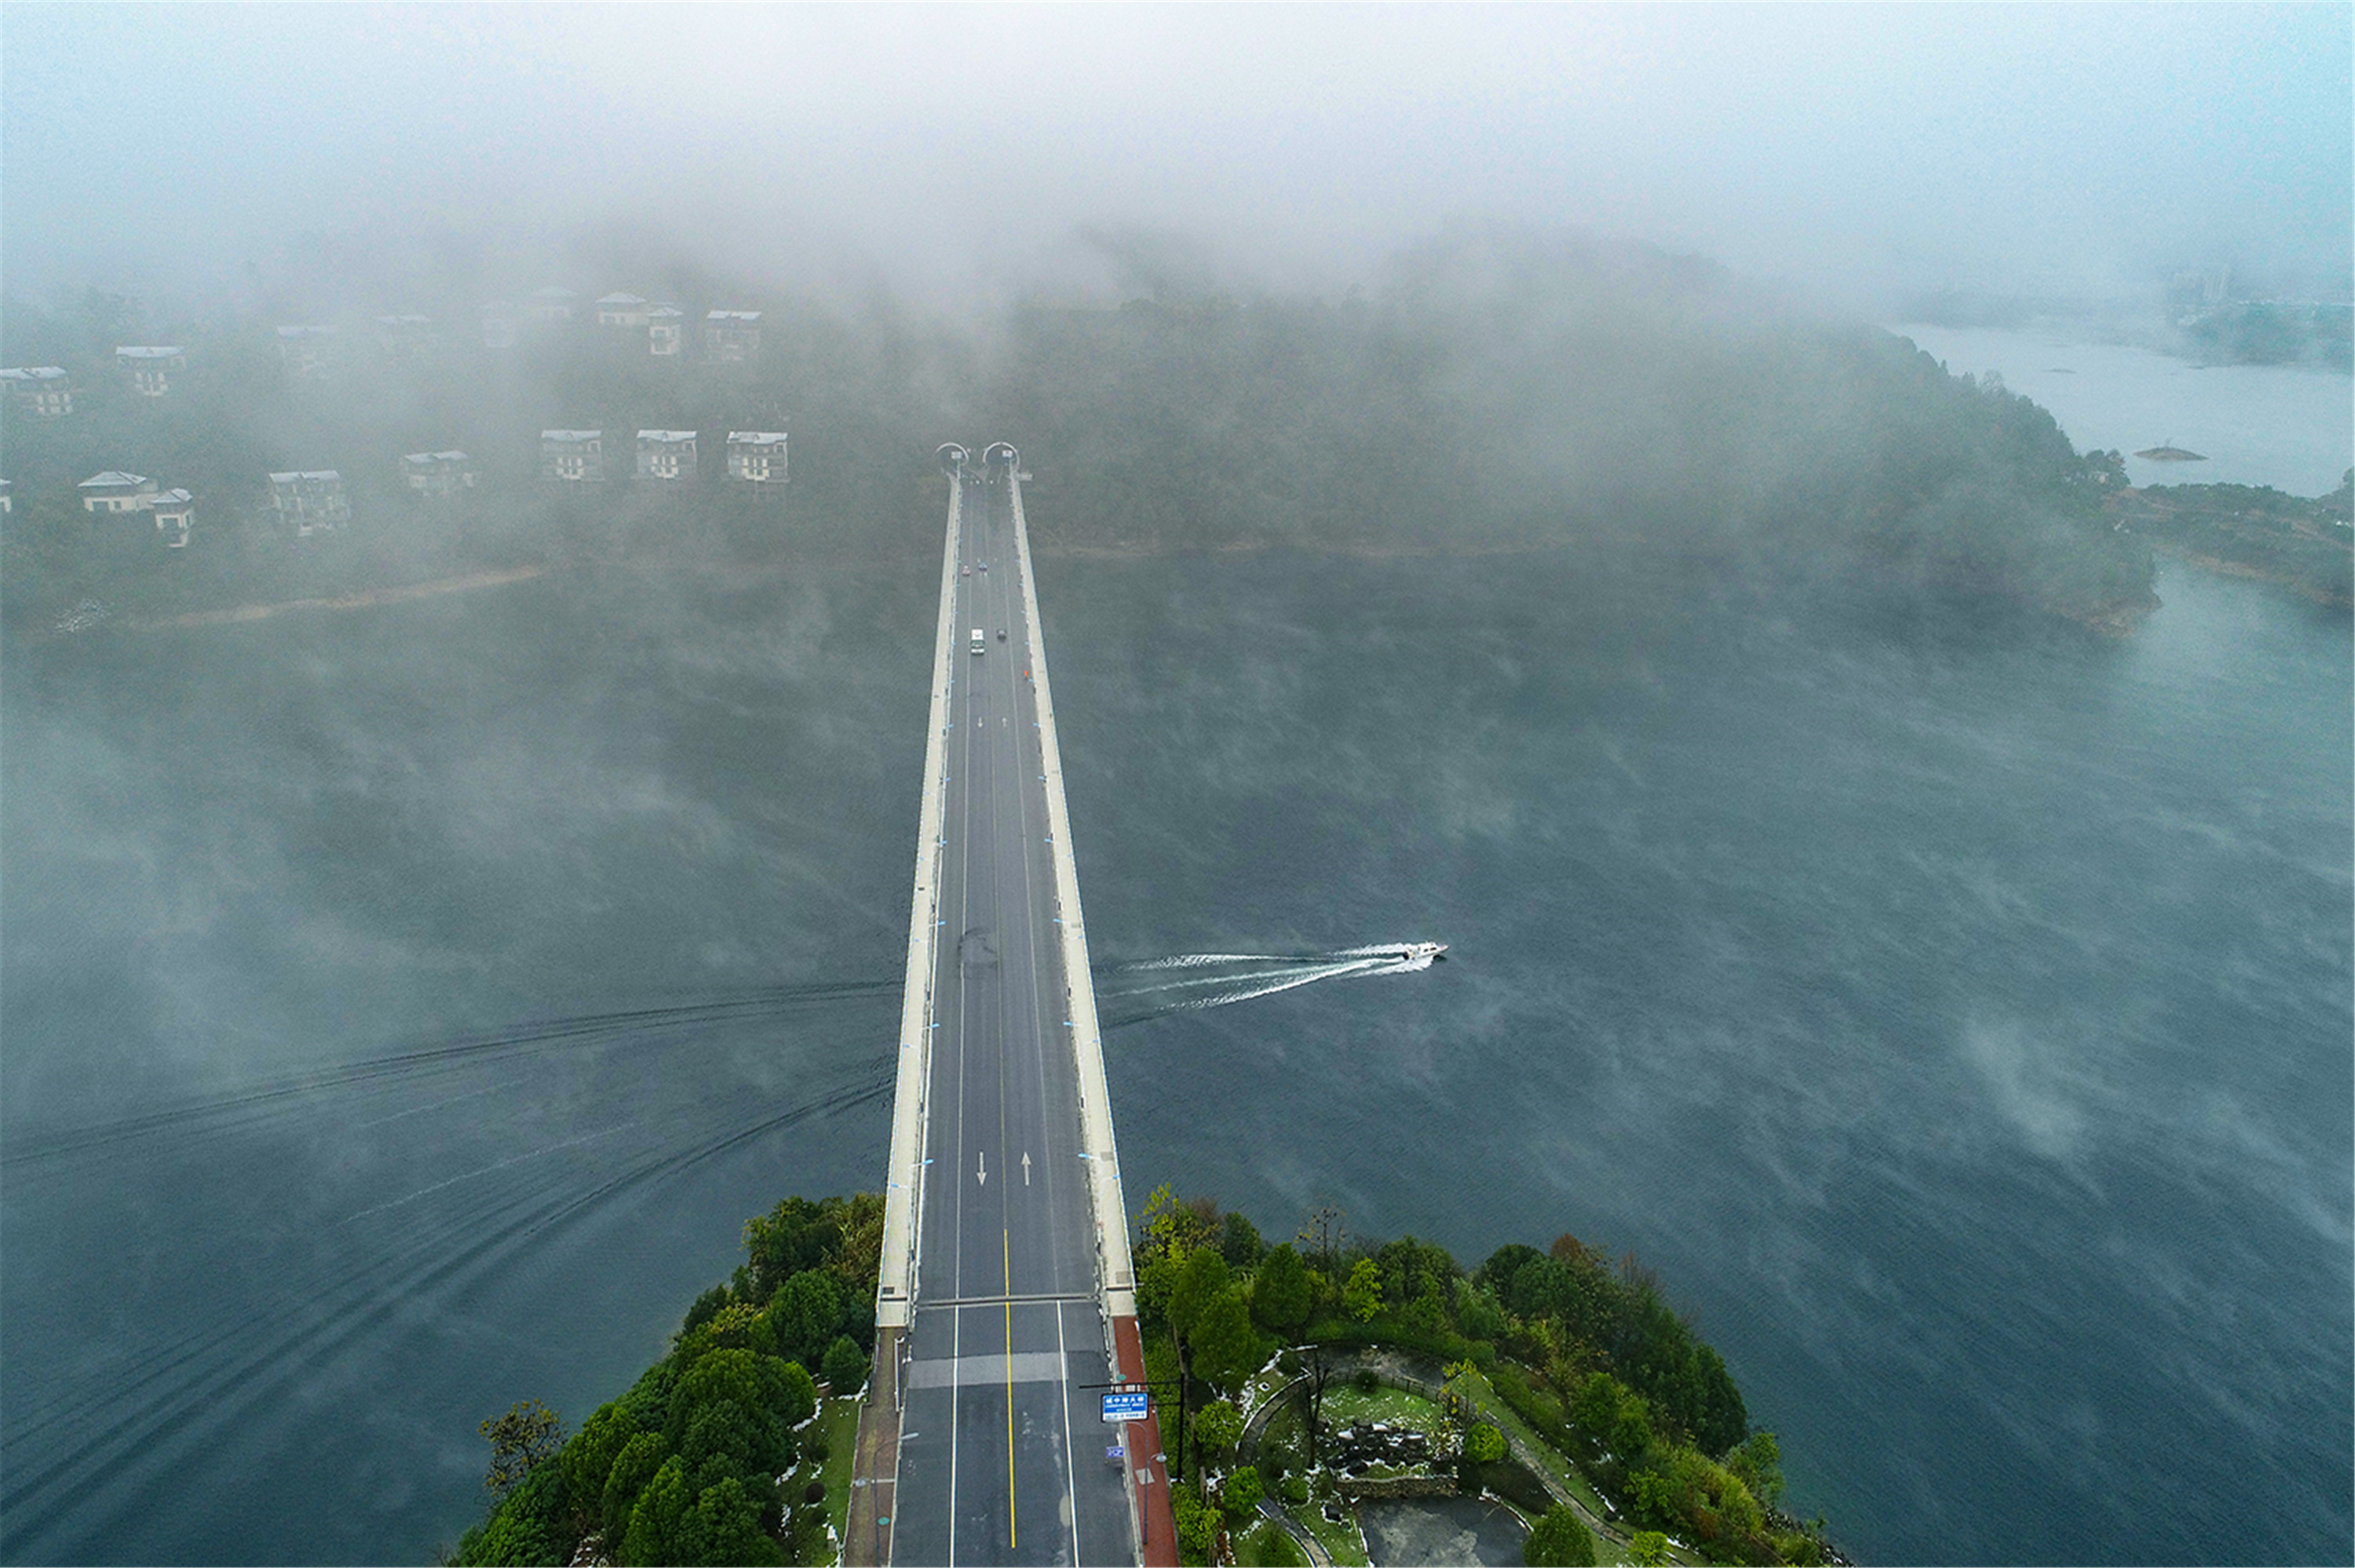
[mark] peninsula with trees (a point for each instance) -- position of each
(1297, 1383)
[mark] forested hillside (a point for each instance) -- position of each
(1509, 391)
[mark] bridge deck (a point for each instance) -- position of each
(1008, 1264)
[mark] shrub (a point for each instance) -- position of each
(1197, 1527)
(1561, 1540)
(845, 1366)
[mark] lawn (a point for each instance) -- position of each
(1265, 1544)
(836, 1424)
(1346, 1405)
(1343, 1542)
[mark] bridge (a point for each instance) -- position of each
(1006, 1308)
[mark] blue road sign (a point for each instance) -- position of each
(1126, 1404)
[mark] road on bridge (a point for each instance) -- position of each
(1002, 1452)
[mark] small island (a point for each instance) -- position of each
(1315, 1394)
(2166, 453)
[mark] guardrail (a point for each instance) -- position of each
(1115, 1275)
(895, 1289)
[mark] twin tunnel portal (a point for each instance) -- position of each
(1006, 1309)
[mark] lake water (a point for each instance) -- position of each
(2289, 426)
(1956, 1015)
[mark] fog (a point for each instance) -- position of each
(1472, 504)
(959, 153)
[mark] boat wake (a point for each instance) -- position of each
(1193, 982)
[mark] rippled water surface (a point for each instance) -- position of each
(1957, 1016)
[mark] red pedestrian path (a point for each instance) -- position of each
(1152, 1473)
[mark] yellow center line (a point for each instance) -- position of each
(1007, 1242)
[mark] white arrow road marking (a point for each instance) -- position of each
(1026, 1168)
(980, 1168)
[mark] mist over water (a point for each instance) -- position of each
(2288, 426)
(407, 1006)
(1954, 1013)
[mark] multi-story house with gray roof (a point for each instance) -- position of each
(116, 491)
(667, 457)
(438, 475)
(304, 349)
(665, 331)
(757, 458)
(572, 457)
(151, 367)
(621, 311)
(174, 512)
(731, 334)
(43, 390)
(311, 500)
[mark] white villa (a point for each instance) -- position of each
(620, 311)
(311, 499)
(116, 491)
(305, 348)
(572, 457)
(757, 457)
(46, 389)
(731, 334)
(438, 473)
(176, 513)
(666, 455)
(151, 365)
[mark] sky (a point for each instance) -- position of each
(964, 151)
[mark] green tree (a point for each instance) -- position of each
(589, 1461)
(1218, 1426)
(1226, 1348)
(845, 1367)
(1648, 1547)
(807, 1314)
(723, 1440)
(1478, 1316)
(1240, 1497)
(1559, 1540)
(772, 1396)
(707, 1306)
(640, 1459)
(793, 1237)
(1484, 1445)
(653, 1537)
(511, 1541)
(724, 1527)
(528, 1434)
(1201, 1279)
(1631, 1433)
(1757, 1461)
(1362, 1296)
(1197, 1527)
(1281, 1293)
(1167, 1228)
(1239, 1242)
(1157, 1282)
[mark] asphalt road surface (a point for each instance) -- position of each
(1002, 1446)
